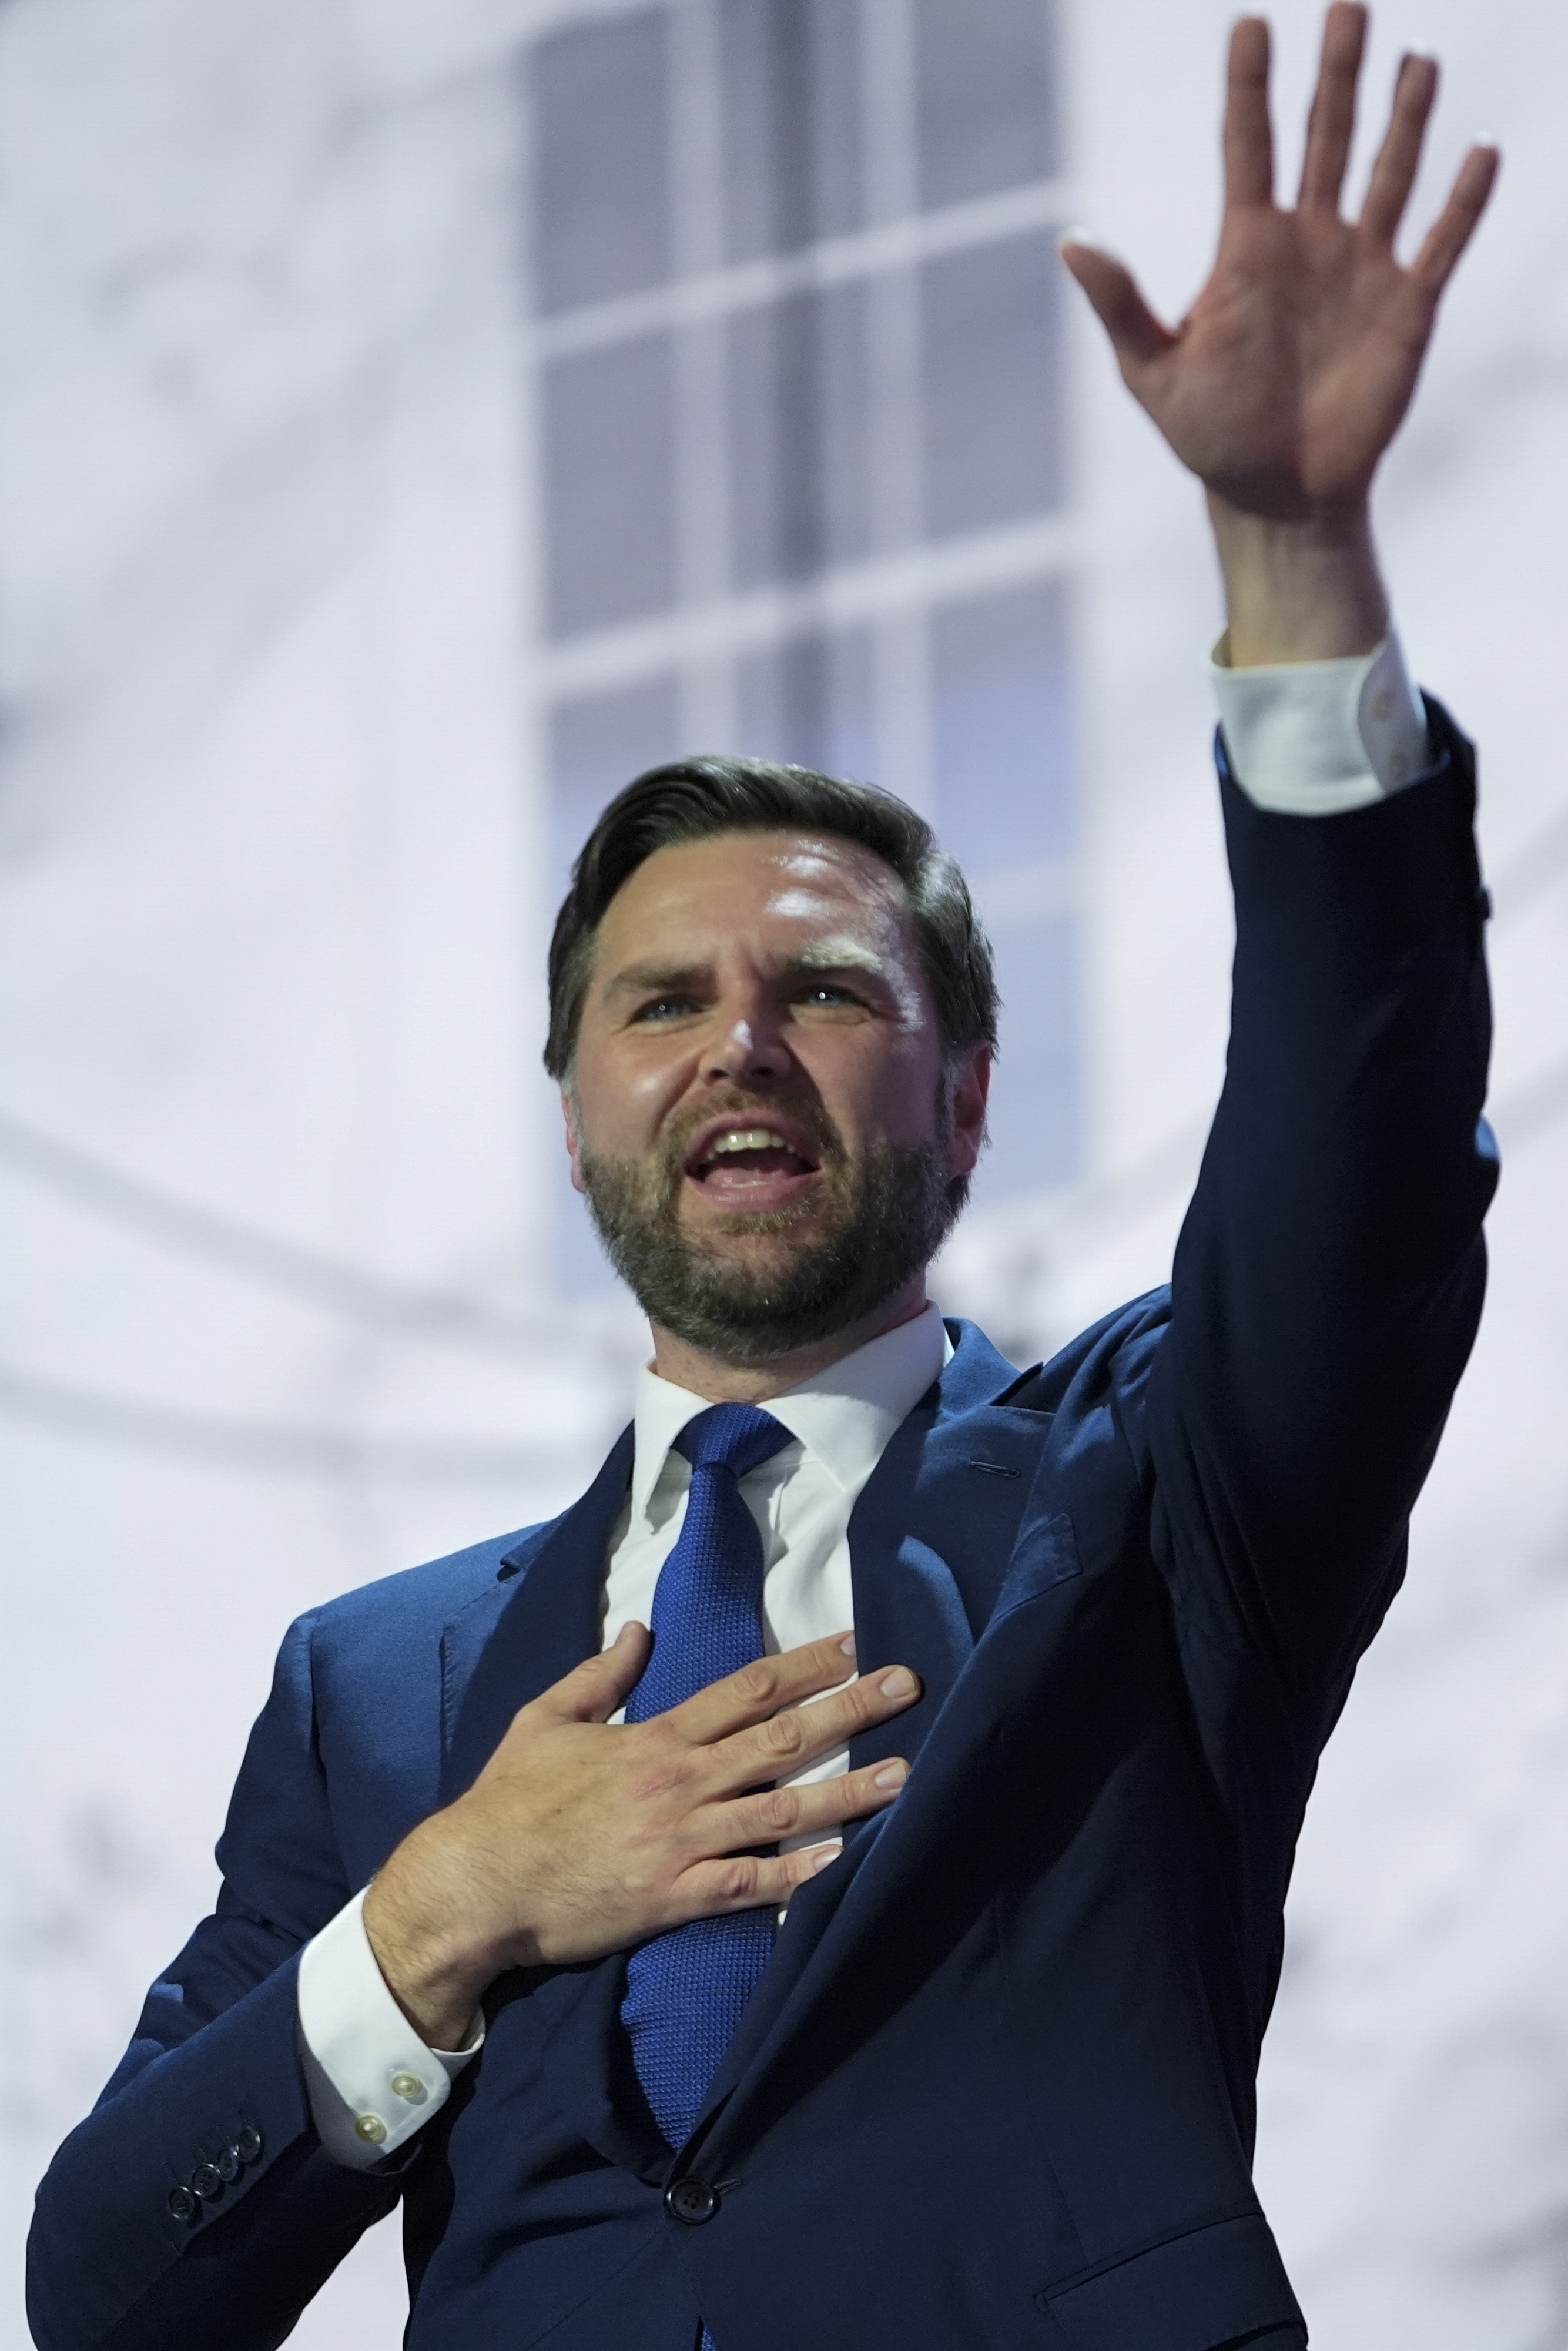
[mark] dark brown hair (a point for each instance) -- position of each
(694, 799)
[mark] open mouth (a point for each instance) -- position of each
(751, 1163)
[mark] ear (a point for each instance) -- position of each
(971, 1091)
(574, 1148)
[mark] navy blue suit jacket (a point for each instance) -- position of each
(997, 2084)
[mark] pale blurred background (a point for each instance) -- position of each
(415, 418)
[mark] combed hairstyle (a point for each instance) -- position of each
(691, 800)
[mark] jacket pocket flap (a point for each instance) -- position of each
(1194, 2292)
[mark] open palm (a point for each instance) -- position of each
(1288, 378)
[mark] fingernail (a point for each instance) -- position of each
(899, 1683)
(848, 1645)
(823, 1860)
(892, 1775)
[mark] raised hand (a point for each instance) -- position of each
(581, 1837)
(1289, 377)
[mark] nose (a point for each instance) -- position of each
(748, 1048)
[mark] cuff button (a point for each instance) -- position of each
(227, 2164)
(371, 2128)
(247, 2146)
(409, 2089)
(207, 2180)
(181, 2203)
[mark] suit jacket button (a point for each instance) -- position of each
(691, 2201)
(247, 2146)
(227, 2164)
(181, 2203)
(207, 2180)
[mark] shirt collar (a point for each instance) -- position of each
(843, 1415)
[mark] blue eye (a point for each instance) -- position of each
(665, 1007)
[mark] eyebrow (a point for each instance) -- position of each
(842, 954)
(825, 955)
(643, 978)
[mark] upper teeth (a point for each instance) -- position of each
(747, 1138)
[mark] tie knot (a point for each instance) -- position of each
(734, 1437)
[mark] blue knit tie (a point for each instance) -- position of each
(686, 1990)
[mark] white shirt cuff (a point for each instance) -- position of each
(371, 2080)
(1313, 738)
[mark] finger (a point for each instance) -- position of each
(1136, 335)
(592, 1691)
(746, 1881)
(1248, 135)
(1399, 157)
(777, 1748)
(763, 1688)
(1455, 224)
(772, 1814)
(1330, 126)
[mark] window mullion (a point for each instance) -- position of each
(703, 527)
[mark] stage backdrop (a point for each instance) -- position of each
(415, 418)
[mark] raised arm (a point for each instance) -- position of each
(1290, 375)
(1328, 1274)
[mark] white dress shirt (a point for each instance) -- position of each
(1315, 738)
(1308, 738)
(801, 1498)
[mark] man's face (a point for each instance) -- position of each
(761, 1113)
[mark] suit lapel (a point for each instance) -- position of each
(932, 1533)
(544, 1619)
(930, 1538)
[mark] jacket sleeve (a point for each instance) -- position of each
(195, 2205)
(1329, 1274)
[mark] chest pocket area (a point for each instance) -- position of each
(1045, 1554)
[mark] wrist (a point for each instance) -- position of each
(434, 1968)
(1298, 590)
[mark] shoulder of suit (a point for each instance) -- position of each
(430, 1594)
(1112, 1352)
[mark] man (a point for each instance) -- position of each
(919, 2009)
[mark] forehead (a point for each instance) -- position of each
(779, 889)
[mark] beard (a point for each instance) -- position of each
(888, 1214)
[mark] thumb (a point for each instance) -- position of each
(1136, 335)
(592, 1691)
